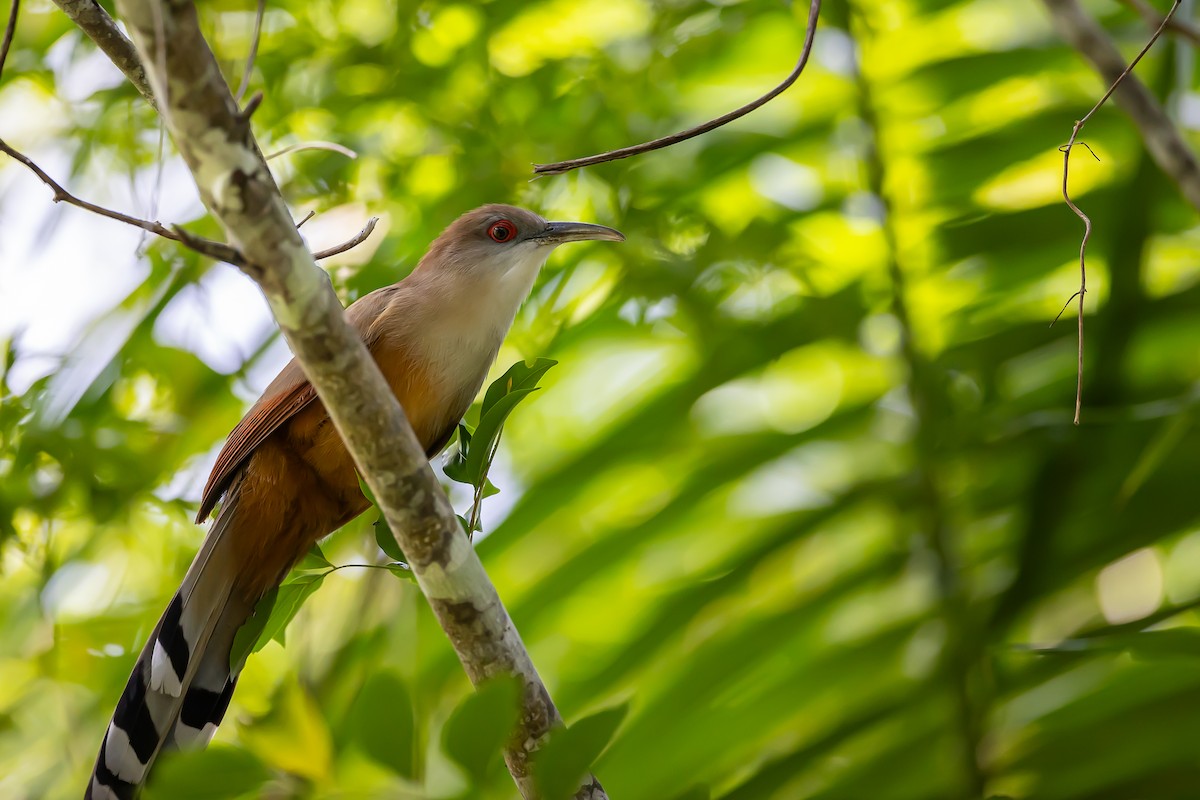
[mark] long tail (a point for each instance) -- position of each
(182, 681)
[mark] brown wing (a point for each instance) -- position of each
(263, 419)
(284, 397)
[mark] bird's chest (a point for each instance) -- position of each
(435, 385)
(437, 375)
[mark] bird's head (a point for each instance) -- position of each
(506, 242)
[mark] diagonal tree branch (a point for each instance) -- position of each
(216, 142)
(100, 28)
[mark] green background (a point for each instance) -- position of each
(803, 491)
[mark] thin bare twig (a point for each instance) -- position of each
(218, 251)
(318, 145)
(252, 106)
(1149, 13)
(358, 239)
(215, 250)
(1062, 148)
(258, 18)
(1087, 221)
(1063, 310)
(9, 30)
(559, 167)
(307, 217)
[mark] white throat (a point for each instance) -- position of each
(475, 311)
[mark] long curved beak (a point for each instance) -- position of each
(562, 232)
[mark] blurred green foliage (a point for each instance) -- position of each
(803, 492)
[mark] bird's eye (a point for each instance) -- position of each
(502, 231)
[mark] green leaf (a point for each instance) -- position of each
(246, 640)
(289, 600)
(563, 761)
(498, 402)
(366, 490)
(383, 532)
(381, 723)
(475, 733)
(455, 466)
(387, 541)
(521, 375)
(313, 560)
(401, 570)
(216, 773)
(488, 432)
(293, 736)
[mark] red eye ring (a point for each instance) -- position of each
(502, 231)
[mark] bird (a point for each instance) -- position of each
(284, 478)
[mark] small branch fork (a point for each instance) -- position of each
(1087, 222)
(559, 167)
(218, 251)
(215, 250)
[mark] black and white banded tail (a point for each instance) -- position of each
(181, 683)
